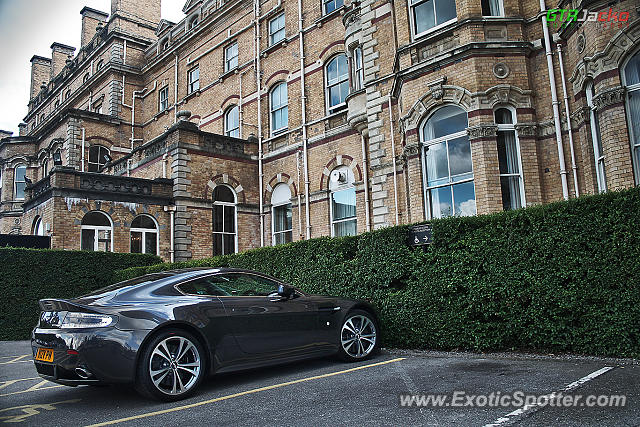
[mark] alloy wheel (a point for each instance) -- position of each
(174, 366)
(358, 336)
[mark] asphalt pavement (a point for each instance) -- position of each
(326, 392)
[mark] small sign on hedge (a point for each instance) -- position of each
(420, 235)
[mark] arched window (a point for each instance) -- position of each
(144, 235)
(631, 78)
(57, 104)
(337, 72)
(38, 227)
(165, 45)
(448, 170)
(19, 183)
(509, 161)
(96, 232)
(598, 152)
(98, 157)
(194, 22)
(279, 107)
(357, 76)
(343, 202)
(45, 168)
(224, 221)
(232, 122)
(281, 214)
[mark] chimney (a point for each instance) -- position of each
(90, 20)
(59, 54)
(23, 129)
(40, 73)
(146, 11)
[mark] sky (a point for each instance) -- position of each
(29, 27)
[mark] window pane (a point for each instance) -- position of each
(510, 188)
(344, 204)
(460, 158)
(345, 228)
(446, 121)
(143, 221)
(229, 243)
(285, 237)
(20, 190)
(632, 70)
(217, 244)
(150, 243)
(282, 218)
(217, 217)
(424, 16)
(229, 219)
(440, 199)
(136, 242)
(508, 153)
(437, 166)
(464, 198)
(96, 218)
(445, 10)
(222, 193)
(503, 116)
(87, 240)
(634, 112)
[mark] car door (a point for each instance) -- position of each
(263, 322)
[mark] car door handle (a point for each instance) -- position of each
(329, 309)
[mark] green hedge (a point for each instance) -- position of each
(561, 277)
(29, 275)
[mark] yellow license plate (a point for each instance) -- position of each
(45, 354)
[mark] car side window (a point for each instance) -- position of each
(248, 285)
(209, 286)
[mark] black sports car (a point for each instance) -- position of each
(167, 331)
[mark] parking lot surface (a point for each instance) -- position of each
(327, 392)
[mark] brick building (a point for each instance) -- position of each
(253, 123)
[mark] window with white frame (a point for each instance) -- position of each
(358, 69)
(193, 78)
(279, 106)
(631, 79)
(232, 122)
(337, 72)
(492, 8)
(96, 232)
(37, 229)
(163, 98)
(429, 14)
(144, 235)
(281, 215)
(596, 139)
(448, 170)
(509, 160)
(343, 202)
(331, 5)
(45, 167)
(231, 57)
(276, 29)
(98, 157)
(19, 183)
(224, 221)
(194, 22)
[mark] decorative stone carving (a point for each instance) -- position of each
(450, 94)
(609, 97)
(503, 94)
(581, 43)
(411, 150)
(501, 70)
(526, 129)
(580, 116)
(482, 131)
(437, 91)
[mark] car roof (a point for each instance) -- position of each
(187, 273)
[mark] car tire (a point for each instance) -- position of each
(359, 336)
(171, 366)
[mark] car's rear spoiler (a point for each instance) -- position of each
(63, 305)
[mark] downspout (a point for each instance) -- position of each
(568, 114)
(299, 196)
(259, 90)
(171, 210)
(395, 170)
(303, 99)
(554, 101)
(124, 53)
(175, 95)
(83, 134)
(365, 169)
(164, 165)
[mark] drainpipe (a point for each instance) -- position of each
(165, 160)
(554, 101)
(395, 170)
(365, 169)
(299, 195)
(259, 90)
(128, 167)
(175, 95)
(568, 114)
(83, 134)
(124, 53)
(172, 211)
(303, 99)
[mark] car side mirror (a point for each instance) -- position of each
(286, 291)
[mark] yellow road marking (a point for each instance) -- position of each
(5, 384)
(30, 410)
(243, 393)
(16, 359)
(31, 389)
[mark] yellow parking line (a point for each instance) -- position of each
(17, 359)
(243, 393)
(14, 357)
(5, 384)
(30, 389)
